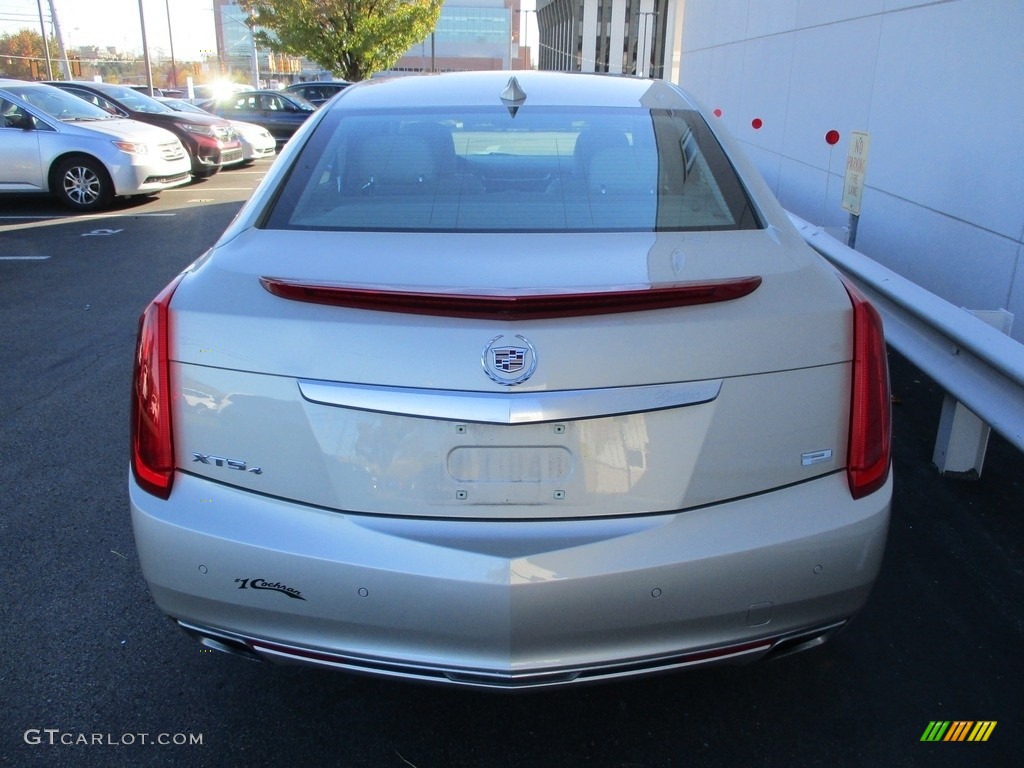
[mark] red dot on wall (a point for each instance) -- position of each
(717, 112)
(832, 137)
(756, 123)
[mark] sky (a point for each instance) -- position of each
(116, 23)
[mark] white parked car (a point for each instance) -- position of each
(511, 382)
(51, 141)
(256, 141)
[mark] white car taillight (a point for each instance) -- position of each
(870, 449)
(151, 439)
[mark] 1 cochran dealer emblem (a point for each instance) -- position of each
(276, 586)
(509, 364)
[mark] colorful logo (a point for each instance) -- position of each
(506, 364)
(959, 730)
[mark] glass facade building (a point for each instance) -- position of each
(470, 34)
(235, 48)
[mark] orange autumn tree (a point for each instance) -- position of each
(18, 50)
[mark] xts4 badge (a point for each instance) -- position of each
(276, 586)
(220, 461)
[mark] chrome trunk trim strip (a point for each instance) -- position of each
(510, 408)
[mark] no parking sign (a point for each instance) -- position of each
(856, 168)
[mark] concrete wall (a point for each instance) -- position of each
(938, 84)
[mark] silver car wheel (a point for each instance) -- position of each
(82, 184)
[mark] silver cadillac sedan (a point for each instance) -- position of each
(507, 382)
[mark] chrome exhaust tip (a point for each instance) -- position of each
(803, 641)
(220, 641)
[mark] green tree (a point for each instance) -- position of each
(352, 38)
(114, 71)
(19, 49)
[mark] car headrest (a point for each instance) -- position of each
(621, 171)
(394, 159)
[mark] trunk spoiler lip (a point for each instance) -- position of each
(513, 304)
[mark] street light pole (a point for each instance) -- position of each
(526, 34)
(46, 45)
(64, 65)
(170, 35)
(145, 50)
(255, 59)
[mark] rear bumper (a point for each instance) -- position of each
(511, 604)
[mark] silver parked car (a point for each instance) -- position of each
(511, 382)
(51, 141)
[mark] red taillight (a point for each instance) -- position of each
(870, 449)
(152, 445)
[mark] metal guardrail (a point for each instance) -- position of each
(975, 363)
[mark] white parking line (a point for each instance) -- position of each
(71, 219)
(81, 216)
(23, 258)
(16, 218)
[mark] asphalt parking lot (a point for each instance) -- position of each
(92, 675)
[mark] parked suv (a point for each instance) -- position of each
(52, 142)
(209, 140)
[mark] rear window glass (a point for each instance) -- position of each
(501, 170)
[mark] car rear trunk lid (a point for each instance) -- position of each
(391, 412)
